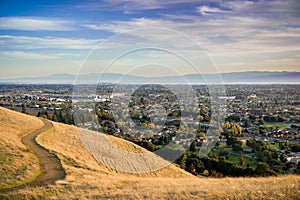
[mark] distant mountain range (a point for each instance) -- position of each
(227, 78)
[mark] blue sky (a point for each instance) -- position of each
(50, 37)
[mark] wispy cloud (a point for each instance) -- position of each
(231, 35)
(26, 42)
(27, 55)
(34, 24)
(206, 10)
(275, 9)
(129, 6)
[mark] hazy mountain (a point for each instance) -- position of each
(228, 78)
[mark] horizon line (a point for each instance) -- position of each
(114, 73)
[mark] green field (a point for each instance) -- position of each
(235, 157)
(281, 125)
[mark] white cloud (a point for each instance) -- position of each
(27, 55)
(121, 26)
(129, 6)
(231, 35)
(26, 42)
(34, 24)
(73, 55)
(238, 5)
(276, 10)
(205, 10)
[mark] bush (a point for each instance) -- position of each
(224, 152)
(205, 173)
(263, 169)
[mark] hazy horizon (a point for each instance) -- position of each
(206, 79)
(146, 76)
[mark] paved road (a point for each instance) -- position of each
(51, 168)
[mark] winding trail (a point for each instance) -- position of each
(50, 166)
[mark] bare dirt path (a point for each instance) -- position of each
(50, 166)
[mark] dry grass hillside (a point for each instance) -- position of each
(87, 178)
(65, 141)
(17, 164)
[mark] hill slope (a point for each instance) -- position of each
(87, 178)
(17, 164)
(74, 154)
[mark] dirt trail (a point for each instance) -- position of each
(50, 166)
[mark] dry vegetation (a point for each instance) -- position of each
(17, 164)
(73, 152)
(87, 178)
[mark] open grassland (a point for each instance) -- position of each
(92, 185)
(88, 178)
(17, 164)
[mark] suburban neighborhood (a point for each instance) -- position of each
(258, 128)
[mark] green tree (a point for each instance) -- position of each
(191, 168)
(69, 118)
(222, 159)
(24, 109)
(295, 148)
(181, 161)
(298, 168)
(237, 148)
(196, 163)
(283, 158)
(263, 169)
(12, 105)
(224, 152)
(54, 118)
(193, 146)
(230, 140)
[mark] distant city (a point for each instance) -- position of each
(260, 123)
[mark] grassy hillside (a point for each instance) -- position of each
(17, 164)
(74, 154)
(87, 178)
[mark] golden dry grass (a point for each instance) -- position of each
(73, 152)
(88, 179)
(17, 164)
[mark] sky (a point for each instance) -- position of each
(39, 38)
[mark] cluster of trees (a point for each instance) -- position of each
(219, 166)
(267, 155)
(231, 141)
(204, 115)
(295, 147)
(58, 116)
(273, 118)
(295, 126)
(103, 114)
(67, 118)
(44, 114)
(267, 159)
(232, 128)
(145, 144)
